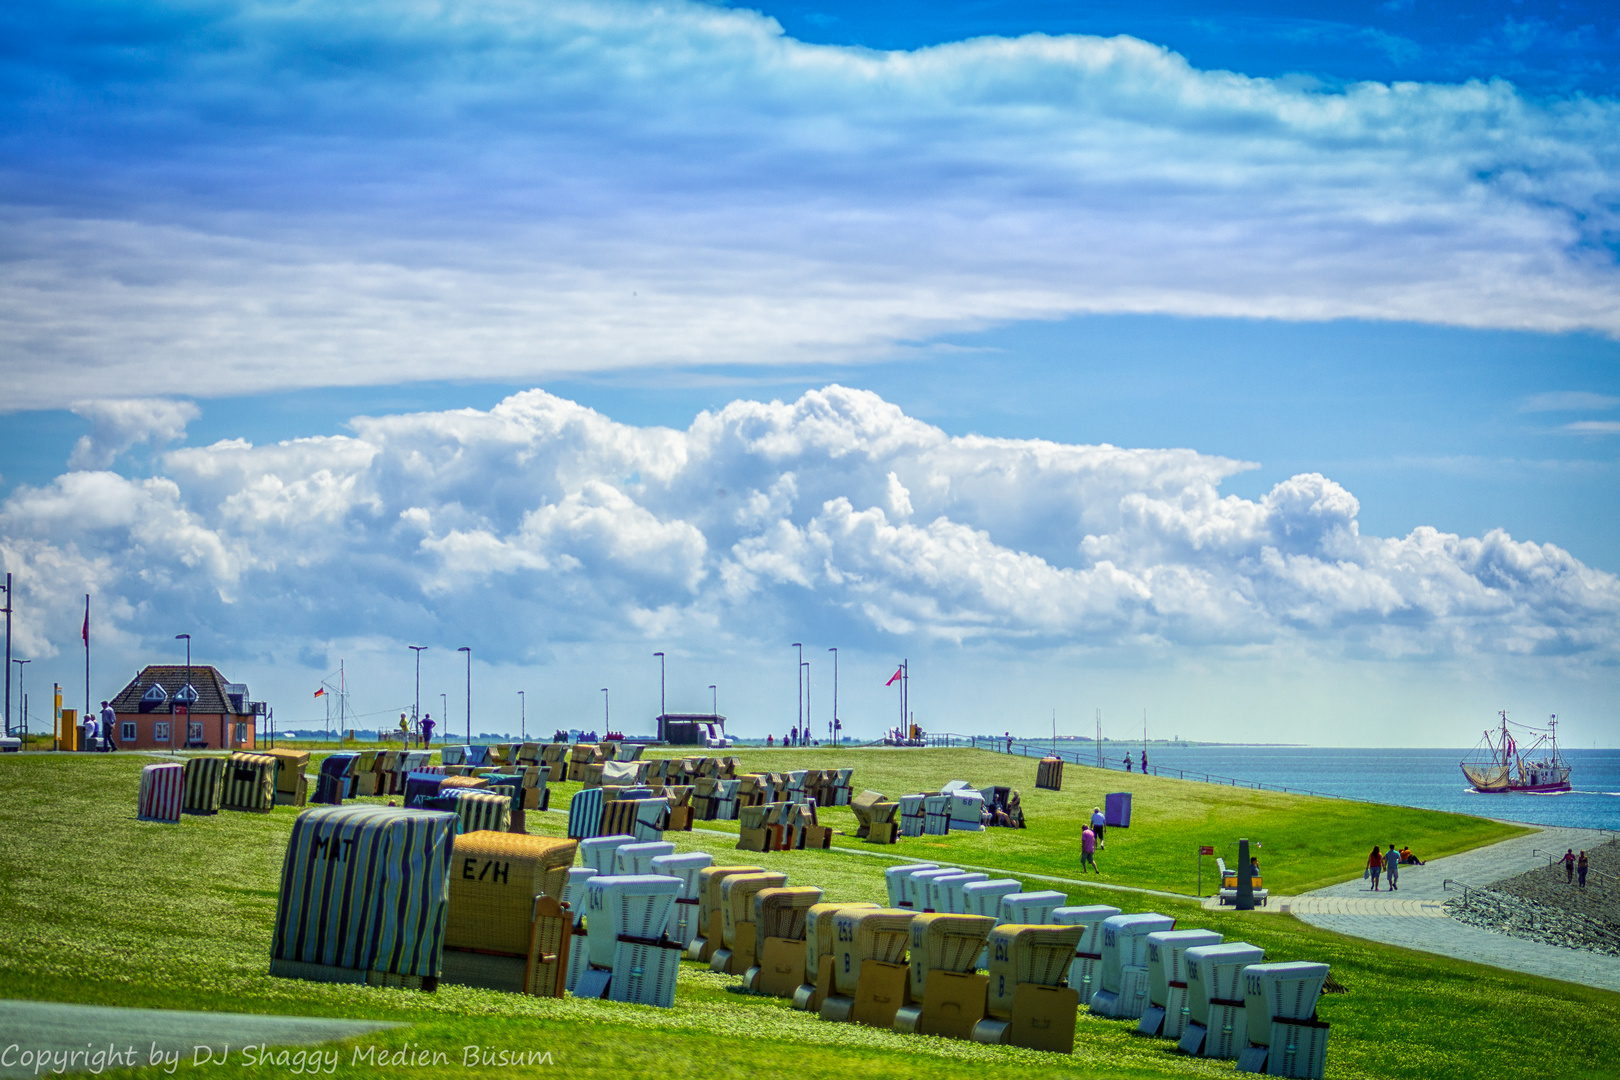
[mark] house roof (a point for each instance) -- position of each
(212, 696)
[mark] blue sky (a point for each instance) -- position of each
(1373, 244)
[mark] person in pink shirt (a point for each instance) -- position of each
(1088, 850)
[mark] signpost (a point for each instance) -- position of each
(1206, 849)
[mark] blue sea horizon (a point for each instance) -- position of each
(1428, 778)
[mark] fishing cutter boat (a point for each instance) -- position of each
(1499, 764)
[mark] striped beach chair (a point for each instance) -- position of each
(364, 896)
(250, 783)
(204, 784)
(161, 788)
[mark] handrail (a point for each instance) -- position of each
(1033, 748)
(1553, 858)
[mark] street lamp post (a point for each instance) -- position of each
(834, 651)
(468, 650)
(183, 689)
(714, 698)
(607, 713)
(663, 709)
(523, 717)
(8, 656)
(21, 691)
(805, 724)
(800, 646)
(417, 714)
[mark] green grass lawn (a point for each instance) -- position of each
(97, 907)
(1306, 842)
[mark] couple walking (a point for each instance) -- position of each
(1388, 863)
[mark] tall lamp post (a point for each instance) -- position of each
(468, 650)
(417, 649)
(800, 646)
(834, 725)
(714, 698)
(523, 717)
(21, 691)
(8, 656)
(183, 689)
(805, 725)
(662, 708)
(607, 714)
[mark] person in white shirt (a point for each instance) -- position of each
(1098, 822)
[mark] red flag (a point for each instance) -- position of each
(321, 692)
(86, 620)
(896, 675)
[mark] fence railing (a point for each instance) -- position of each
(1088, 758)
(1555, 857)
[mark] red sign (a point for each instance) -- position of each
(1206, 851)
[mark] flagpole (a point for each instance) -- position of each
(87, 661)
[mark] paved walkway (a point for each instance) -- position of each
(1413, 917)
(44, 1037)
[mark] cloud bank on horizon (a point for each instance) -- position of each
(541, 522)
(233, 198)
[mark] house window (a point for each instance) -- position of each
(194, 731)
(126, 731)
(241, 731)
(160, 731)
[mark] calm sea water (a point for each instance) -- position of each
(1424, 778)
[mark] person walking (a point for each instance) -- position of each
(404, 731)
(109, 720)
(1127, 761)
(1088, 850)
(1569, 866)
(1392, 867)
(1099, 824)
(1375, 866)
(427, 729)
(1580, 869)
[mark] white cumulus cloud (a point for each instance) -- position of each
(540, 521)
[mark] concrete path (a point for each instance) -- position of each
(44, 1038)
(1413, 916)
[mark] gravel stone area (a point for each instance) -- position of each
(1600, 900)
(1531, 920)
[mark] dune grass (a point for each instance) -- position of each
(100, 908)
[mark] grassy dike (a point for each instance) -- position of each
(97, 907)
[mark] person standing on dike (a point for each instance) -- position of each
(1580, 869)
(1127, 762)
(427, 729)
(1375, 866)
(1144, 763)
(1569, 866)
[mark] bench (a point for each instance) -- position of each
(1228, 892)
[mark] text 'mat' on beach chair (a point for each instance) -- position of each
(946, 991)
(820, 939)
(869, 966)
(364, 896)
(781, 920)
(1285, 1037)
(711, 923)
(1123, 981)
(1217, 1025)
(737, 931)
(1167, 1009)
(1087, 954)
(1029, 1004)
